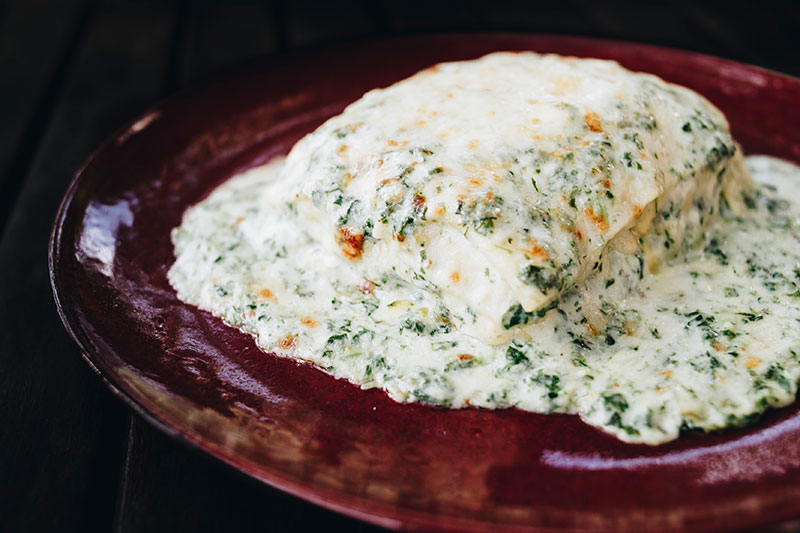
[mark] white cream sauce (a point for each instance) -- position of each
(708, 340)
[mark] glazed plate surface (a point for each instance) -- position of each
(358, 452)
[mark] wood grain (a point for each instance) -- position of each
(169, 487)
(63, 433)
(40, 53)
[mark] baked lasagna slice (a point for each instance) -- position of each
(499, 184)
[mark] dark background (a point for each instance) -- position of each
(72, 456)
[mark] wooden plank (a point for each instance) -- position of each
(657, 23)
(308, 22)
(170, 487)
(63, 433)
(36, 53)
(220, 34)
(434, 16)
(166, 487)
(754, 33)
(725, 41)
(562, 17)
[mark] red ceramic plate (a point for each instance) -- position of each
(325, 440)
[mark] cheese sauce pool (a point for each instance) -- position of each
(709, 341)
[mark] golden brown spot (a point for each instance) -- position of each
(288, 342)
(439, 211)
(366, 286)
(578, 234)
(566, 82)
(308, 321)
(342, 149)
(238, 220)
(421, 123)
(592, 120)
(347, 178)
(593, 330)
(752, 362)
(351, 243)
(666, 373)
(489, 196)
(465, 357)
(536, 121)
(392, 143)
(607, 184)
(265, 293)
(537, 251)
(475, 181)
(399, 237)
(455, 277)
(418, 201)
(599, 220)
(472, 144)
(533, 101)
(718, 346)
(637, 210)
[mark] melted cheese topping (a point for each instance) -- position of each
(525, 164)
(688, 307)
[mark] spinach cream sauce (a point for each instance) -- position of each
(709, 339)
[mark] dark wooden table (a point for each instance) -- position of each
(72, 456)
